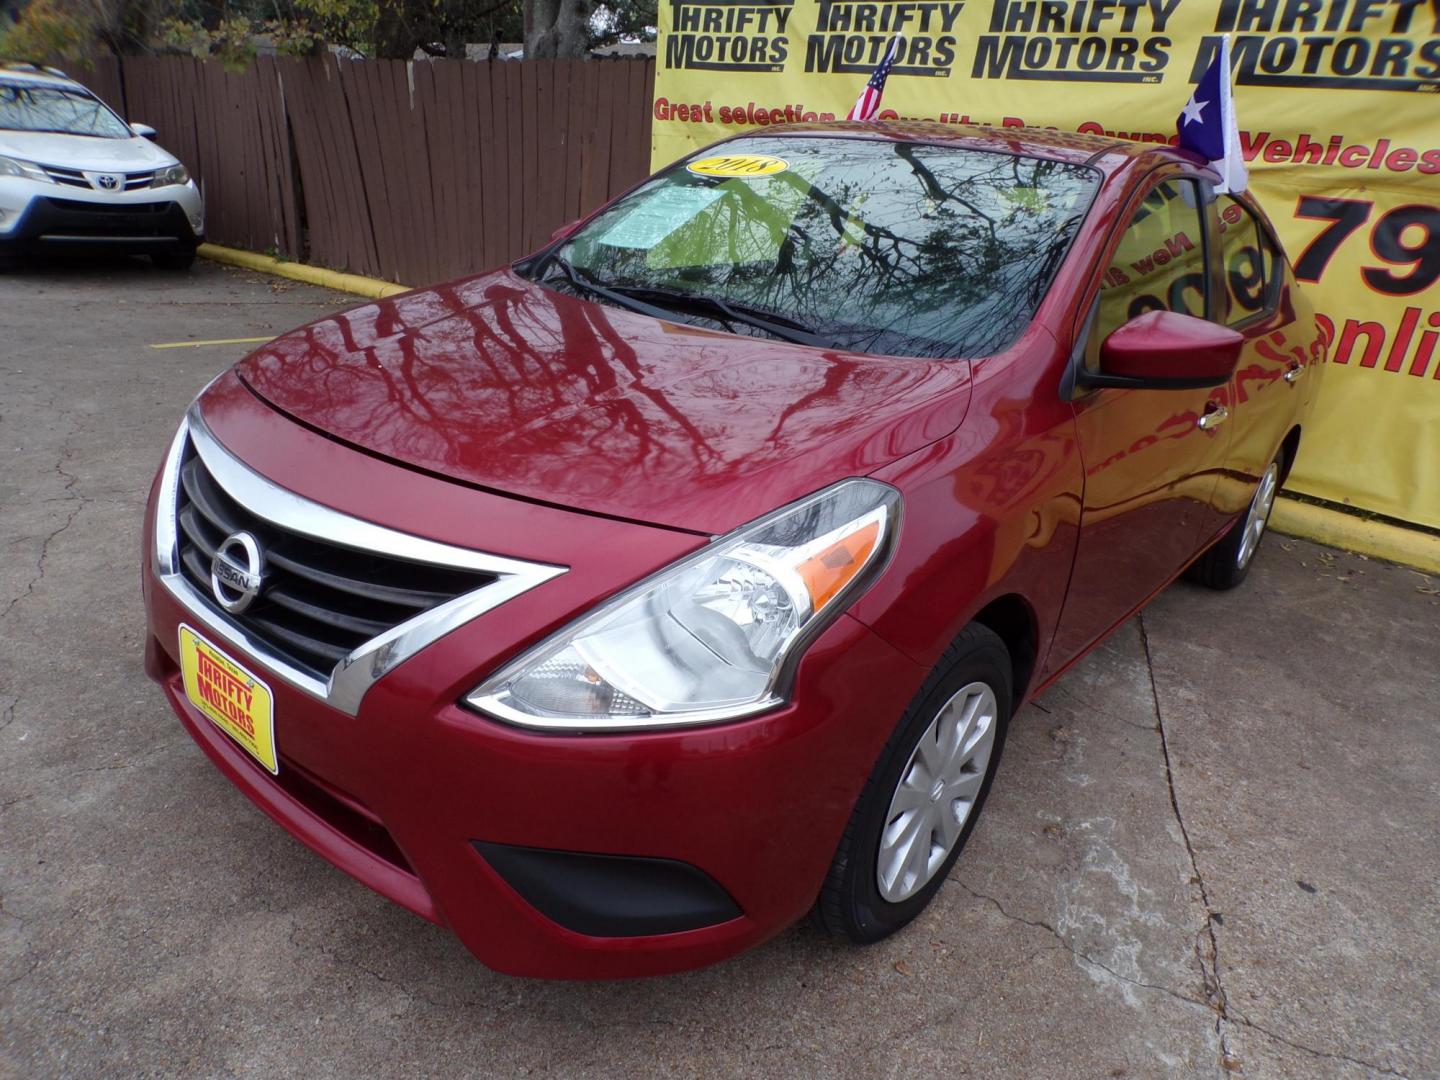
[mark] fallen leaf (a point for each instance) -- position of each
(901, 968)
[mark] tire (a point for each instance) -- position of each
(855, 901)
(177, 261)
(1228, 561)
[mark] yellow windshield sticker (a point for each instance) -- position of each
(739, 165)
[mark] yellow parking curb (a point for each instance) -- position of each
(212, 341)
(311, 275)
(1335, 528)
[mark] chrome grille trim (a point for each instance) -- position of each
(72, 177)
(134, 181)
(353, 675)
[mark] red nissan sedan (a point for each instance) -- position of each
(619, 607)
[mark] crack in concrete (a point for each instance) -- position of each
(1069, 947)
(1209, 966)
(1097, 709)
(1216, 1002)
(1329, 1055)
(135, 764)
(67, 492)
(24, 974)
(335, 958)
(6, 911)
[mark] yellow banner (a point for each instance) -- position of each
(1339, 109)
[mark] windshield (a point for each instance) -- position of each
(871, 245)
(28, 107)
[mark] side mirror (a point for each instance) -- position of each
(1164, 350)
(564, 230)
(145, 131)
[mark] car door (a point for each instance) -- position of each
(1151, 457)
(1251, 298)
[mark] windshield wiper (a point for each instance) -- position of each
(631, 297)
(780, 326)
(582, 281)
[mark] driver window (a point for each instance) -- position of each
(1159, 264)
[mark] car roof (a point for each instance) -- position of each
(1107, 154)
(29, 76)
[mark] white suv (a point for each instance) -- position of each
(75, 177)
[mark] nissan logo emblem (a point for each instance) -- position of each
(236, 572)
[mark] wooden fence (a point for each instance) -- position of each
(413, 172)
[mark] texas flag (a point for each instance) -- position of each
(1208, 126)
(868, 103)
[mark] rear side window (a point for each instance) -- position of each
(1159, 264)
(1250, 264)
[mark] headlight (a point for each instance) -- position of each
(28, 169)
(712, 637)
(175, 174)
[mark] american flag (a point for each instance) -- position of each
(868, 103)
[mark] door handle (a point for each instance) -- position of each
(1215, 415)
(1293, 375)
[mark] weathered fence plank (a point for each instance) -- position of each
(415, 172)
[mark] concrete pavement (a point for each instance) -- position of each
(1213, 849)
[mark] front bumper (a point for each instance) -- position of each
(48, 218)
(407, 794)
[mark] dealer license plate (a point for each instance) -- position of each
(233, 699)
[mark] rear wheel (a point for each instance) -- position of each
(924, 796)
(1227, 563)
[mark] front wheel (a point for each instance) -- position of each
(924, 796)
(1225, 565)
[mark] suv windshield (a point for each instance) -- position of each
(29, 107)
(873, 245)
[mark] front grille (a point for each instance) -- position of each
(319, 601)
(76, 178)
(71, 177)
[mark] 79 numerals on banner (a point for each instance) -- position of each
(1406, 237)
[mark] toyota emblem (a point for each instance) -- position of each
(236, 572)
(107, 182)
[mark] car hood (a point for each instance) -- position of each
(82, 152)
(502, 384)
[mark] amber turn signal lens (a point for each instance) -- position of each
(827, 572)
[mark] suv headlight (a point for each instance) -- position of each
(712, 637)
(175, 174)
(28, 169)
